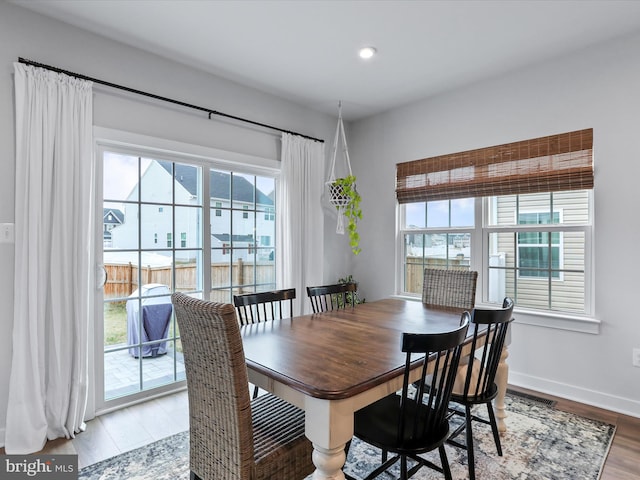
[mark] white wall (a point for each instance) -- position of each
(29, 35)
(598, 88)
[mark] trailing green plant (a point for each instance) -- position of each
(350, 209)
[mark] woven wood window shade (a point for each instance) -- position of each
(546, 164)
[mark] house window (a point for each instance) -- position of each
(218, 211)
(183, 240)
(245, 213)
(540, 259)
(270, 214)
(169, 240)
(160, 209)
(155, 238)
(539, 253)
(531, 234)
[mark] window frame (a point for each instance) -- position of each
(479, 252)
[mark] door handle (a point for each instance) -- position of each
(102, 276)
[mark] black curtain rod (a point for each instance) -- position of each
(164, 99)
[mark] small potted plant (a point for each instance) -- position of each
(344, 196)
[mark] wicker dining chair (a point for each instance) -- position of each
(478, 381)
(416, 420)
(264, 306)
(449, 288)
(232, 437)
(332, 297)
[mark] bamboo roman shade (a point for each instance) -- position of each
(546, 164)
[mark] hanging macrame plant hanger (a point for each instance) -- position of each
(337, 196)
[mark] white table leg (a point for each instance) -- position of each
(501, 381)
(329, 426)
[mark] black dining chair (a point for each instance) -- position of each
(477, 384)
(415, 420)
(332, 297)
(264, 306)
(449, 288)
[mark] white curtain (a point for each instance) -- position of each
(300, 222)
(53, 252)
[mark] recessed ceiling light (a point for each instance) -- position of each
(367, 52)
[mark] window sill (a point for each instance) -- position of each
(574, 323)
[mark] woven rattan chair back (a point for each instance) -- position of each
(449, 288)
(480, 372)
(332, 297)
(416, 421)
(231, 437)
(263, 306)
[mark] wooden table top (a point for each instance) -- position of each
(338, 354)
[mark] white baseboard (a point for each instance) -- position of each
(594, 398)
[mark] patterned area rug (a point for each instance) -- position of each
(541, 444)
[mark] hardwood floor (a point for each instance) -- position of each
(132, 427)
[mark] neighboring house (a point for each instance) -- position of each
(111, 218)
(232, 214)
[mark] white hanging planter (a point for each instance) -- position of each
(342, 191)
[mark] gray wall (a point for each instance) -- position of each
(596, 88)
(29, 35)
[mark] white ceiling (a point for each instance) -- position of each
(306, 50)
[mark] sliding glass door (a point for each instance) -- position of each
(160, 236)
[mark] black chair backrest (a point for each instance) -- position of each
(487, 358)
(426, 409)
(263, 306)
(449, 288)
(332, 297)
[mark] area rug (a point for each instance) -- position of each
(541, 443)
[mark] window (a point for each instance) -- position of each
(270, 214)
(183, 240)
(539, 251)
(155, 238)
(218, 206)
(244, 264)
(525, 241)
(169, 240)
(436, 235)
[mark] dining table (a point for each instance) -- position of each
(333, 363)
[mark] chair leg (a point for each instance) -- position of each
(445, 463)
(494, 428)
(469, 434)
(255, 392)
(403, 468)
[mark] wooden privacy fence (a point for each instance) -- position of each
(122, 279)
